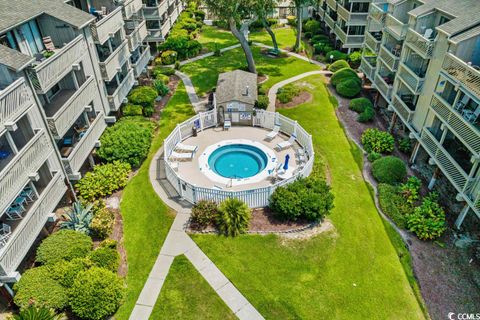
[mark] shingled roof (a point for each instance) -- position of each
(237, 85)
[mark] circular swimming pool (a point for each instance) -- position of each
(237, 161)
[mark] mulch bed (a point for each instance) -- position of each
(159, 105)
(303, 97)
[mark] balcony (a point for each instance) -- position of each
(373, 40)
(341, 34)
(462, 73)
(377, 13)
(48, 72)
(115, 61)
(411, 78)
(343, 13)
(25, 233)
(119, 95)
(16, 174)
(14, 101)
(166, 26)
(468, 133)
(155, 35)
(397, 28)
(455, 174)
(68, 105)
(107, 26)
(383, 87)
(401, 108)
(85, 145)
(137, 36)
(421, 45)
(368, 66)
(321, 12)
(131, 7)
(142, 62)
(391, 60)
(330, 22)
(332, 4)
(151, 13)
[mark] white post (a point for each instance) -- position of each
(179, 132)
(295, 127)
(462, 216)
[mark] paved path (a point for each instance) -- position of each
(292, 54)
(192, 95)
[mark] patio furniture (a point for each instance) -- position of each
(20, 201)
(227, 124)
(185, 147)
(286, 174)
(67, 141)
(4, 154)
(286, 144)
(28, 193)
(65, 151)
(15, 213)
(181, 156)
(462, 103)
(48, 43)
(174, 165)
(428, 34)
(272, 134)
(5, 232)
(471, 115)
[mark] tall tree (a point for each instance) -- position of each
(236, 12)
(299, 5)
(262, 9)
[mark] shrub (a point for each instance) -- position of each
(360, 104)
(128, 140)
(144, 96)
(131, 109)
(428, 220)
(389, 170)
(163, 78)
(374, 140)
(199, 15)
(405, 145)
(325, 49)
(262, 102)
(393, 204)
(336, 55)
(157, 61)
(108, 243)
(308, 199)
(411, 189)
(348, 88)
(366, 115)
(287, 93)
(37, 313)
(204, 213)
(96, 294)
(317, 47)
(103, 180)
(65, 272)
(106, 258)
(179, 47)
(78, 218)
(308, 35)
(291, 20)
(320, 38)
(373, 156)
(355, 58)
(169, 57)
(168, 71)
(161, 88)
(312, 26)
(233, 217)
(344, 74)
(102, 223)
(337, 65)
(63, 245)
(36, 287)
(261, 90)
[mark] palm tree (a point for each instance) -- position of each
(78, 219)
(34, 313)
(233, 217)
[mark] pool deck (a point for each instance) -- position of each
(190, 172)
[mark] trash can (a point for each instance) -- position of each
(194, 131)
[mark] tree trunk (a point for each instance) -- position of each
(244, 43)
(299, 29)
(270, 32)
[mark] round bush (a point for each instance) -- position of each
(96, 293)
(144, 96)
(128, 141)
(373, 156)
(132, 110)
(102, 223)
(65, 272)
(374, 140)
(337, 65)
(233, 217)
(336, 55)
(162, 77)
(204, 213)
(320, 38)
(355, 58)
(390, 169)
(360, 104)
(168, 71)
(344, 74)
(169, 57)
(63, 245)
(37, 287)
(106, 258)
(262, 102)
(348, 88)
(312, 26)
(366, 115)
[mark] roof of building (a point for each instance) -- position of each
(236, 85)
(16, 12)
(14, 59)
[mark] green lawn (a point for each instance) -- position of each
(285, 37)
(351, 272)
(213, 37)
(204, 73)
(146, 219)
(187, 295)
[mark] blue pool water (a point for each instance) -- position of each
(237, 161)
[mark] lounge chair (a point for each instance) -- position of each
(286, 144)
(181, 156)
(471, 115)
(48, 43)
(272, 134)
(227, 124)
(185, 147)
(15, 213)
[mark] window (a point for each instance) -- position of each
(153, 24)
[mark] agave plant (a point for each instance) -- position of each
(35, 313)
(78, 219)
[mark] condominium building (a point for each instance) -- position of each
(160, 15)
(423, 57)
(345, 21)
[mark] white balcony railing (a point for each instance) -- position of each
(402, 109)
(105, 28)
(368, 69)
(115, 61)
(16, 174)
(131, 7)
(142, 63)
(343, 13)
(391, 60)
(463, 73)
(162, 7)
(151, 13)
(341, 34)
(384, 88)
(85, 146)
(117, 98)
(166, 26)
(396, 27)
(66, 116)
(332, 4)
(410, 78)
(138, 35)
(24, 235)
(420, 44)
(329, 21)
(372, 42)
(155, 34)
(376, 12)
(53, 69)
(14, 101)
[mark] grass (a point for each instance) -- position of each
(187, 295)
(213, 37)
(204, 73)
(351, 272)
(143, 213)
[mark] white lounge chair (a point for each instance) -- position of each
(181, 155)
(428, 34)
(227, 124)
(185, 147)
(286, 144)
(272, 134)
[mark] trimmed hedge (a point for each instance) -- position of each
(287, 93)
(132, 110)
(393, 204)
(348, 88)
(105, 257)
(337, 65)
(262, 102)
(169, 57)
(312, 26)
(390, 169)
(63, 245)
(366, 115)
(144, 96)
(336, 55)
(360, 104)
(65, 272)
(344, 74)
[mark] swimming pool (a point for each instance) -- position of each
(237, 161)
